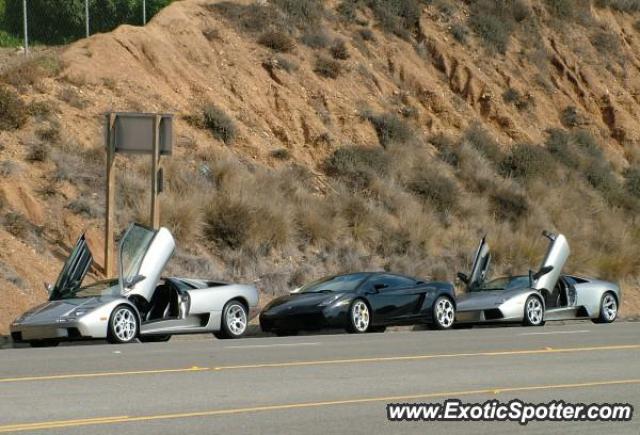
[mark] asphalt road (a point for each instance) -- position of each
(320, 384)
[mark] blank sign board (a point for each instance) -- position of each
(133, 133)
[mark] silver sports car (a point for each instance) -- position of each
(539, 296)
(139, 303)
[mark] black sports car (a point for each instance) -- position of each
(361, 302)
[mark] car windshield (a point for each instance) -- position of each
(109, 287)
(341, 283)
(504, 283)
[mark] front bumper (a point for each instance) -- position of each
(68, 330)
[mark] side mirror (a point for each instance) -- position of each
(135, 280)
(463, 277)
(543, 271)
(48, 287)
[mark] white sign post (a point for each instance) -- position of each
(26, 30)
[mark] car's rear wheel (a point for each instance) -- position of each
(123, 325)
(44, 343)
(154, 338)
(444, 313)
(234, 321)
(608, 309)
(533, 312)
(359, 317)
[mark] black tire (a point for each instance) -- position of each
(608, 302)
(285, 332)
(359, 320)
(124, 326)
(234, 321)
(154, 338)
(44, 343)
(533, 312)
(443, 313)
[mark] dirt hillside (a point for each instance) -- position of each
(322, 136)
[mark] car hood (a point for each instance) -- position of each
(300, 300)
(53, 310)
(481, 300)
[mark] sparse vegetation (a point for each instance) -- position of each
(528, 161)
(459, 32)
(438, 190)
(277, 41)
(339, 50)
(13, 111)
(390, 128)
(327, 67)
(38, 152)
(358, 166)
(219, 123)
(316, 38)
(281, 154)
(508, 205)
(73, 97)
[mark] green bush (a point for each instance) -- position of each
(219, 124)
(399, 17)
(391, 129)
(13, 111)
(459, 32)
(55, 22)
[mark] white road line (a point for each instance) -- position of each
(259, 346)
(579, 331)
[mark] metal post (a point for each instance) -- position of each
(155, 168)
(26, 31)
(110, 197)
(86, 16)
(144, 12)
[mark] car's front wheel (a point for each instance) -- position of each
(234, 321)
(533, 312)
(608, 309)
(123, 325)
(359, 317)
(444, 313)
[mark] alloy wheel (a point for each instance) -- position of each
(534, 311)
(236, 319)
(609, 307)
(360, 316)
(445, 312)
(125, 326)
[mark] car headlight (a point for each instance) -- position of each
(76, 314)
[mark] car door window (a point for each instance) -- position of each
(390, 282)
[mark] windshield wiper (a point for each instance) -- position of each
(324, 291)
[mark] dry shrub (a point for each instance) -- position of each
(527, 161)
(508, 204)
(219, 123)
(18, 225)
(13, 111)
(435, 188)
(31, 71)
(316, 38)
(357, 166)
(481, 140)
(183, 216)
(277, 41)
(390, 128)
(38, 152)
(72, 97)
(327, 67)
(339, 50)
